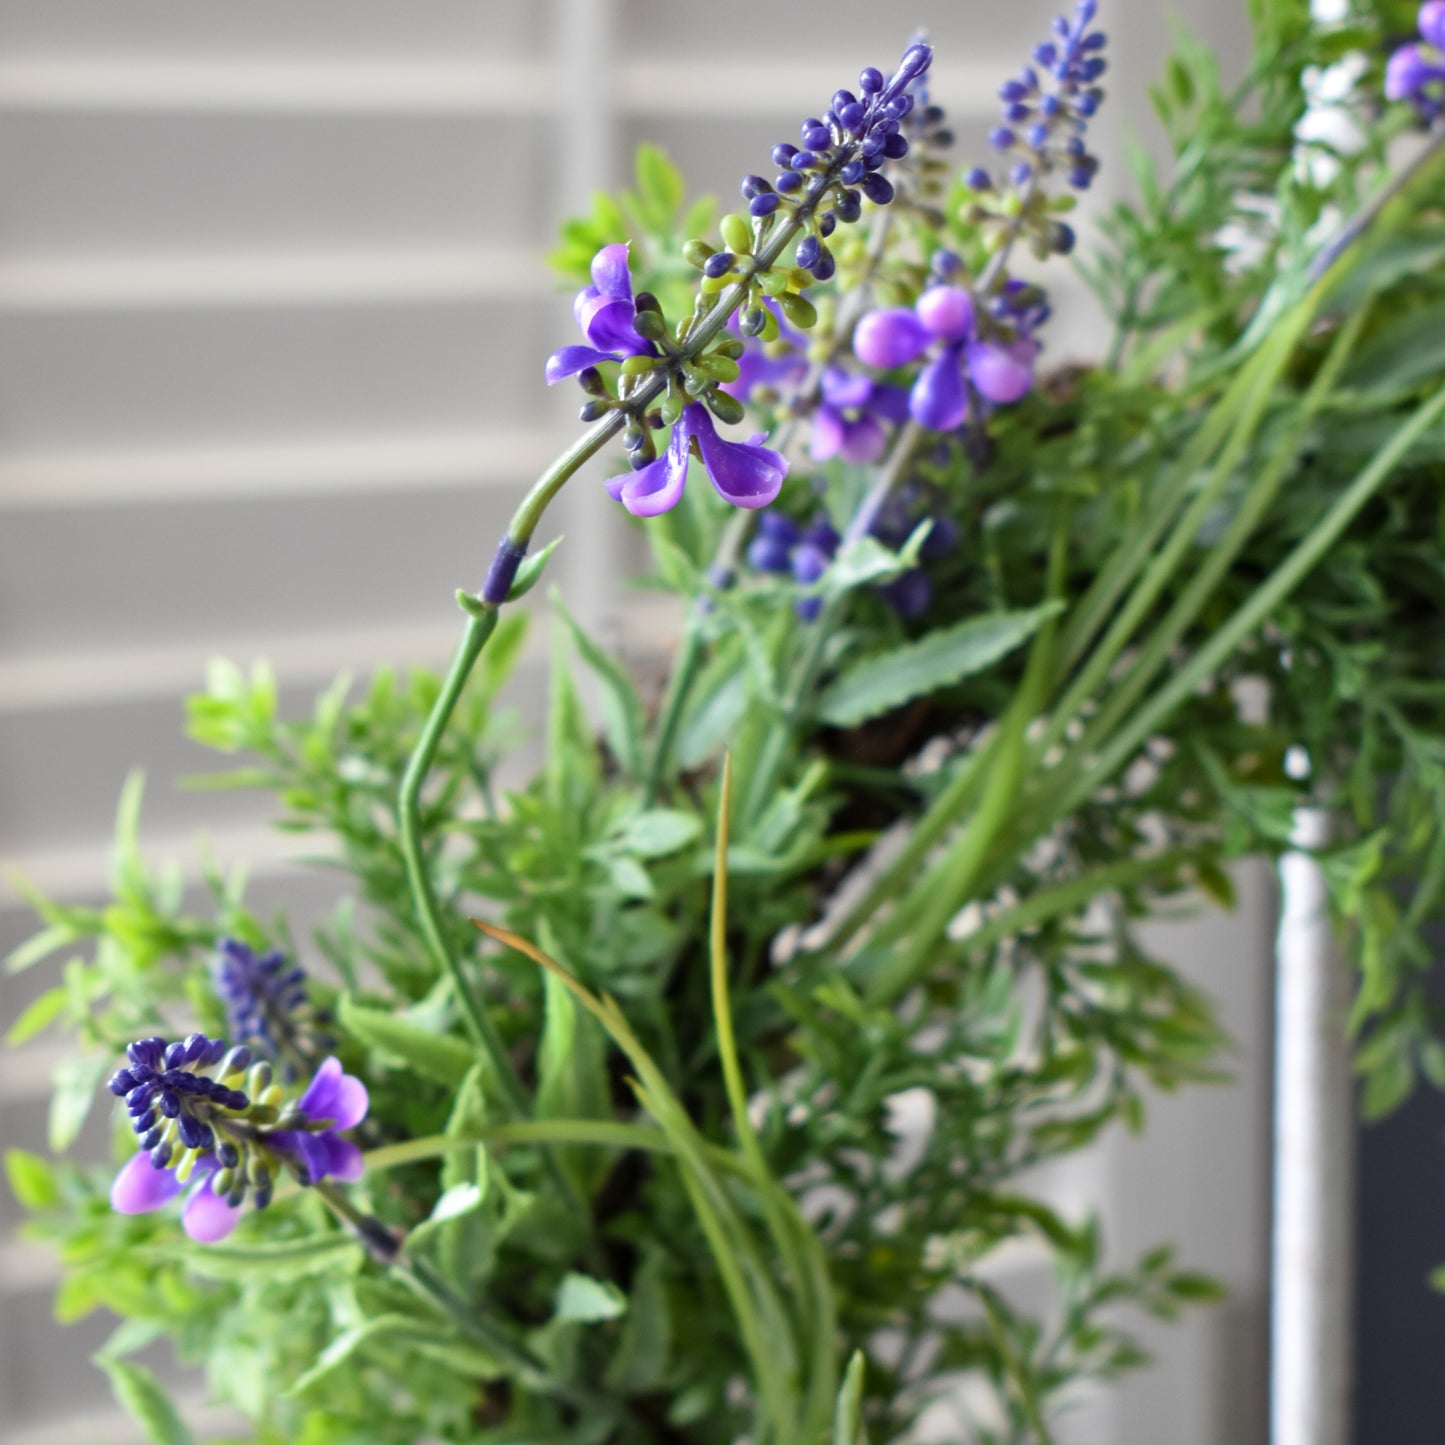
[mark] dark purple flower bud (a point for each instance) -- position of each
(718, 265)
(161, 1156)
(1021, 173)
(824, 267)
(818, 138)
(878, 188)
(1012, 90)
(895, 147)
(849, 207)
(144, 1123)
(945, 264)
(806, 255)
(803, 160)
(873, 145)
(1001, 138)
(1088, 103)
(899, 106)
(827, 224)
(170, 1105)
(1061, 238)
(1081, 178)
(783, 153)
(1037, 135)
(978, 179)
(754, 186)
(503, 571)
(121, 1083)
(788, 182)
(852, 173)
(763, 205)
(851, 117)
(870, 82)
(1017, 114)
(1091, 70)
(916, 60)
(175, 1056)
(842, 99)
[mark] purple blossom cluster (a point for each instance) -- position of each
(852, 411)
(781, 547)
(990, 357)
(1047, 110)
(605, 312)
(201, 1134)
(266, 1001)
(1416, 71)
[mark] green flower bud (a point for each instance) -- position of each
(727, 409)
(594, 410)
(737, 234)
(646, 301)
(752, 321)
(650, 325)
(696, 252)
(672, 404)
(732, 347)
(718, 367)
(799, 310)
(640, 365)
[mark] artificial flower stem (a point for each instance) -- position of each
(484, 1034)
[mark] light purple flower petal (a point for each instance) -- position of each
(335, 1095)
(607, 324)
(863, 440)
(890, 338)
(1002, 374)
(939, 399)
(657, 487)
(140, 1187)
(344, 1161)
(572, 359)
(842, 389)
(947, 311)
(582, 305)
(1405, 72)
(610, 272)
(207, 1217)
(827, 436)
(745, 474)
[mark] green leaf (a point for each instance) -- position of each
(584, 1300)
(77, 1081)
(32, 1180)
(661, 186)
(437, 1056)
(141, 1396)
(848, 1418)
(530, 572)
(622, 714)
(283, 1260)
(37, 1016)
(41, 945)
(660, 831)
(886, 680)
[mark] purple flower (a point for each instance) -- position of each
(334, 1100)
(1416, 72)
(747, 474)
(604, 312)
(782, 546)
(848, 418)
(218, 1164)
(999, 369)
(848, 422)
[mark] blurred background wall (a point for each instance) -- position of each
(274, 317)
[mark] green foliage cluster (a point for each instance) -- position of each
(918, 887)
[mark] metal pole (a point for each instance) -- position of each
(1311, 1362)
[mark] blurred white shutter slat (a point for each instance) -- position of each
(274, 321)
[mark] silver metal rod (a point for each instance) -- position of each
(1311, 1365)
